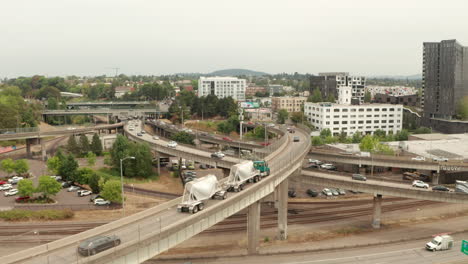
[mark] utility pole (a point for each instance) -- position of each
(241, 118)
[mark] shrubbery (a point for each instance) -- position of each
(21, 215)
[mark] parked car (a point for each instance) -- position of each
(341, 191)
(171, 144)
(420, 184)
(5, 187)
(22, 199)
(15, 179)
(227, 139)
(11, 192)
(97, 244)
(82, 193)
(334, 192)
(292, 193)
(100, 201)
(327, 192)
(190, 165)
(439, 159)
(155, 137)
(218, 155)
(440, 188)
(2, 182)
(312, 192)
(94, 197)
(57, 178)
(296, 139)
(73, 188)
(359, 177)
(65, 184)
(419, 158)
(328, 166)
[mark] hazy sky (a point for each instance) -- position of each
(89, 37)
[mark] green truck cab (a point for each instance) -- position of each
(262, 166)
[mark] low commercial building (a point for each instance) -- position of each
(259, 114)
(353, 118)
(291, 104)
(121, 90)
(252, 90)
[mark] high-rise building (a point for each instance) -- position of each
(445, 78)
(222, 87)
(330, 82)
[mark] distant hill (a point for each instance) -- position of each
(398, 77)
(237, 72)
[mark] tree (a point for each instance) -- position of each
(316, 96)
(402, 135)
(357, 137)
(48, 186)
(368, 143)
(26, 188)
(112, 191)
(317, 141)
(21, 166)
(84, 144)
(462, 108)
(282, 116)
(325, 133)
(331, 98)
(53, 165)
(68, 168)
(96, 145)
(84, 175)
(8, 166)
(91, 157)
(367, 97)
(297, 117)
(380, 133)
(119, 150)
(72, 146)
(141, 166)
(183, 137)
(93, 182)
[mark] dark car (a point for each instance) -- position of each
(440, 188)
(97, 244)
(312, 193)
(203, 166)
(359, 177)
(139, 134)
(292, 193)
(22, 199)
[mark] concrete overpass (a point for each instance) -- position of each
(108, 104)
(387, 161)
(380, 188)
(148, 233)
(120, 113)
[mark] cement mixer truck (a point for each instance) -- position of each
(199, 190)
(240, 174)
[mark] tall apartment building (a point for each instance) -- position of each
(291, 104)
(222, 87)
(330, 82)
(445, 78)
(353, 118)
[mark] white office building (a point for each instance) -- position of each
(222, 87)
(352, 118)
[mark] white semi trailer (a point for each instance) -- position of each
(199, 190)
(240, 174)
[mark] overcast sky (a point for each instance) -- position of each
(89, 37)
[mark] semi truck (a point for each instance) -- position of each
(240, 174)
(198, 191)
(461, 187)
(262, 166)
(442, 242)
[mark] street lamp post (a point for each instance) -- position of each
(121, 181)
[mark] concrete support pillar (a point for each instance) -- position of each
(28, 148)
(253, 227)
(377, 210)
(435, 178)
(43, 149)
(282, 195)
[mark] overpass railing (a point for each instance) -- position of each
(18, 130)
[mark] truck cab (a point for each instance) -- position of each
(262, 166)
(443, 242)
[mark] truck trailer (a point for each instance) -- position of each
(240, 174)
(199, 190)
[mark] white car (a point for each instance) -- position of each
(439, 159)
(73, 188)
(57, 178)
(11, 192)
(328, 166)
(172, 144)
(155, 137)
(71, 128)
(419, 158)
(15, 179)
(315, 161)
(420, 184)
(327, 192)
(82, 193)
(218, 155)
(5, 187)
(101, 201)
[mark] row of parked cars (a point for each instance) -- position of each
(96, 199)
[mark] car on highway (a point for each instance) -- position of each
(15, 179)
(73, 188)
(82, 193)
(171, 144)
(265, 144)
(94, 245)
(227, 139)
(139, 134)
(440, 159)
(359, 177)
(218, 155)
(328, 166)
(5, 187)
(100, 201)
(296, 139)
(142, 132)
(155, 137)
(71, 128)
(22, 199)
(291, 130)
(11, 192)
(327, 192)
(420, 184)
(440, 188)
(315, 161)
(312, 192)
(419, 158)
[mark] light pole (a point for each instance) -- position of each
(121, 181)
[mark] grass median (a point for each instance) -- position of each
(22, 215)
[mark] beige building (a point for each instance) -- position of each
(291, 104)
